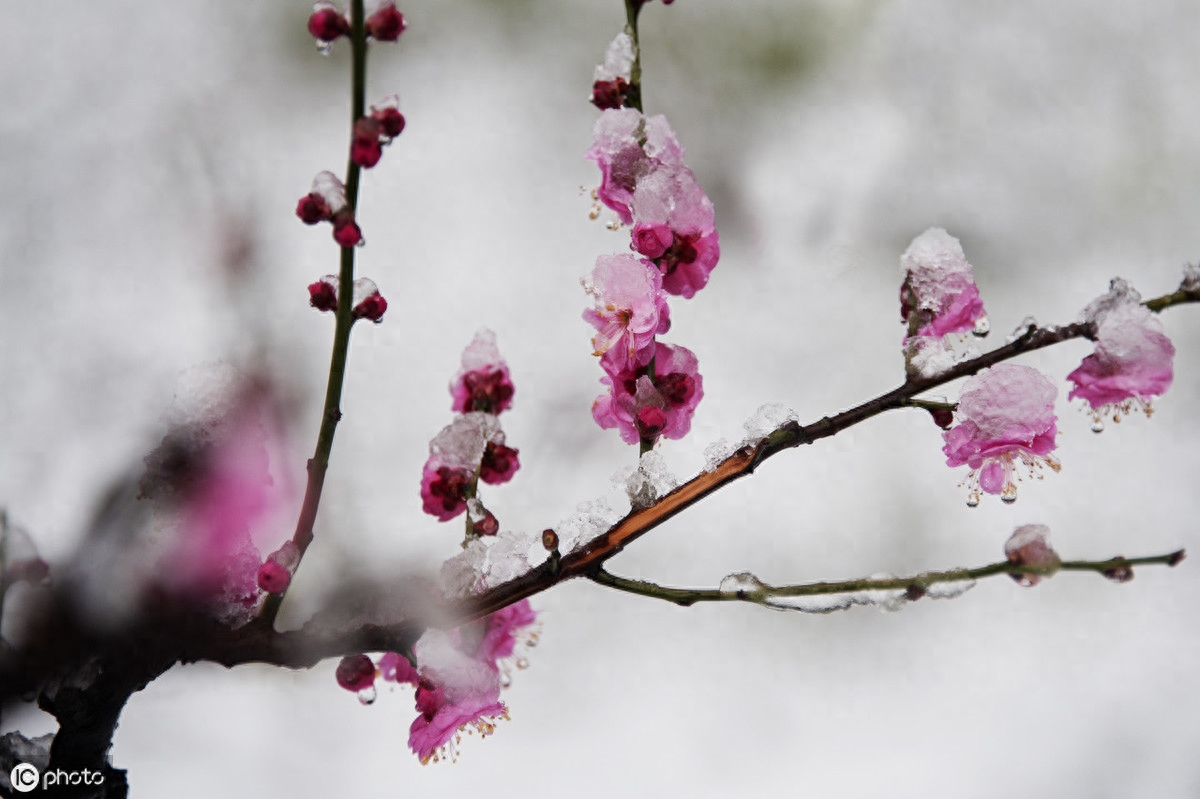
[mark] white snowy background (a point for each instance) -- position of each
(1059, 141)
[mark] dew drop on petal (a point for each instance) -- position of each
(367, 695)
(1097, 425)
(973, 499)
(1009, 493)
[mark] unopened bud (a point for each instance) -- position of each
(322, 295)
(273, 577)
(356, 673)
(327, 23)
(386, 24)
(549, 540)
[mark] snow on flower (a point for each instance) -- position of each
(1005, 416)
(455, 455)
(1133, 359)
(938, 297)
(458, 677)
(631, 308)
(643, 408)
(628, 146)
(674, 227)
(483, 383)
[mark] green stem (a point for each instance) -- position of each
(331, 414)
(634, 96)
(916, 585)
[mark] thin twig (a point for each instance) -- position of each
(914, 587)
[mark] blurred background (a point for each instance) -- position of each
(152, 155)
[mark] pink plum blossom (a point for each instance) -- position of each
(939, 295)
(499, 464)
(628, 146)
(455, 455)
(631, 308)
(643, 408)
(1005, 414)
(458, 677)
(455, 691)
(674, 227)
(443, 490)
(1132, 363)
(483, 383)
(503, 632)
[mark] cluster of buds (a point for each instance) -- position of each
(366, 301)
(327, 24)
(472, 448)
(327, 203)
(375, 131)
(652, 388)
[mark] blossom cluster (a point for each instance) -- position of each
(472, 447)
(1005, 415)
(457, 676)
(652, 388)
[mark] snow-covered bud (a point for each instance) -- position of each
(326, 24)
(368, 302)
(1029, 545)
(312, 209)
(322, 294)
(549, 540)
(385, 24)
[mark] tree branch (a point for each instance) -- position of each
(747, 588)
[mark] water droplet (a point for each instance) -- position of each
(1097, 425)
(367, 695)
(362, 242)
(505, 680)
(973, 499)
(982, 326)
(532, 641)
(1009, 493)
(324, 48)
(522, 663)
(613, 224)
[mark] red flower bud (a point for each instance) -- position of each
(386, 24)
(327, 23)
(322, 295)
(312, 209)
